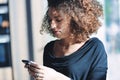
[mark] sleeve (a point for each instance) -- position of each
(99, 65)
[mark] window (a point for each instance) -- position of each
(5, 48)
(112, 19)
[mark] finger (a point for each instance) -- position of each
(34, 64)
(33, 69)
(39, 78)
(36, 70)
(26, 66)
(31, 73)
(42, 67)
(37, 75)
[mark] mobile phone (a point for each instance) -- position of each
(27, 62)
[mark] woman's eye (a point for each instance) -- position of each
(59, 20)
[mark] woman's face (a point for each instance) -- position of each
(60, 23)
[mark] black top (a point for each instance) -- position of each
(87, 63)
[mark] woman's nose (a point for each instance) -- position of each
(53, 25)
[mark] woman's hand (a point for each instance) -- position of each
(40, 72)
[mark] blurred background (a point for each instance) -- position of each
(20, 38)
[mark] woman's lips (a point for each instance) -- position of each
(56, 32)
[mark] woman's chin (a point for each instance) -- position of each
(57, 36)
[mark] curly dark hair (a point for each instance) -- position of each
(84, 16)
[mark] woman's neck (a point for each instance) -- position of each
(64, 48)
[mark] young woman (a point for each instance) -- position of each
(74, 55)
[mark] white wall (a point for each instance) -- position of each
(39, 8)
(18, 28)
